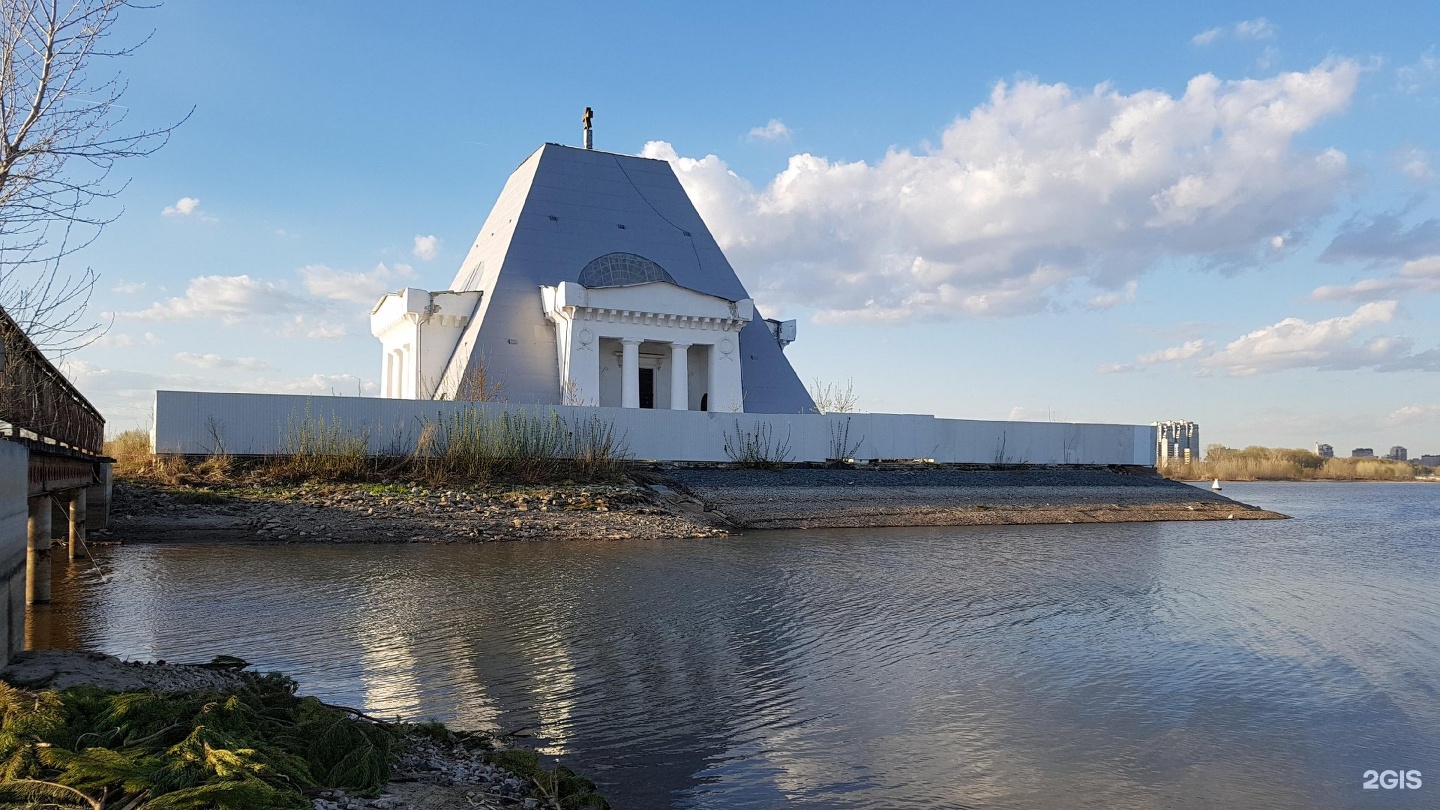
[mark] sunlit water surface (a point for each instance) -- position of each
(1180, 665)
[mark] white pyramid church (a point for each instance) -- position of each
(593, 282)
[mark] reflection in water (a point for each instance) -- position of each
(1142, 665)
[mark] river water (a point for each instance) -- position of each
(1181, 665)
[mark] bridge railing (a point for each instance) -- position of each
(37, 402)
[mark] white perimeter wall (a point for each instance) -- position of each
(14, 517)
(187, 422)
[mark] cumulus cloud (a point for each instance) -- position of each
(1033, 196)
(301, 328)
(775, 130)
(230, 299)
(1415, 414)
(426, 247)
(129, 287)
(1419, 276)
(1116, 368)
(1384, 237)
(1325, 344)
(1258, 28)
(187, 207)
(1414, 164)
(357, 287)
(1186, 351)
(215, 361)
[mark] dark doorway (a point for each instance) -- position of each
(647, 388)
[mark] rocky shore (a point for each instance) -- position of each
(659, 503)
(402, 513)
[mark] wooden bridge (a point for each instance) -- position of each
(50, 427)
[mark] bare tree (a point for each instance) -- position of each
(831, 398)
(62, 135)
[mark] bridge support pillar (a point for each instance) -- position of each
(37, 552)
(77, 522)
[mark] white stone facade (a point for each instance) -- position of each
(417, 331)
(650, 345)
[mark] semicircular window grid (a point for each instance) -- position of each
(622, 270)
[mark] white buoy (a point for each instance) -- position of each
(1216, 486)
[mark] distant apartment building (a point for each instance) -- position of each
(1362, 452)
(1324, 451)
(1398, 453)
(1177, 442)
(1428, 460)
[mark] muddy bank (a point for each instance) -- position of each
(815, 498)
(662, 502)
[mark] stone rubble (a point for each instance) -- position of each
(430, 775)
(401, 513)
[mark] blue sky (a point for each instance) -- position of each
(1221, 212)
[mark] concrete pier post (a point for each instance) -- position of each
(77, 522)
(37, 552)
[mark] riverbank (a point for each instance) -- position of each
(835, 498)
(657, 503)
(243, 720)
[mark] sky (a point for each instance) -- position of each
(1218, 212)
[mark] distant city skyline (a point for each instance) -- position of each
(1216, 213)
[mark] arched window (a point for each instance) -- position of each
(622, 270)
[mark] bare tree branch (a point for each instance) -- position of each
(61, 134)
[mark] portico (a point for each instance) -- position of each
(647, 345)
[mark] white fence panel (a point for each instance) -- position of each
(197, 423)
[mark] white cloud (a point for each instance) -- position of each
(129, 287)
(300, 328)
(1186, 351)
(775, 130)
(1418, 276)
(1258, 28)
(215, 361)
(1116, 297)
(1116, 368)
(121, 340)
(426, 247)
(355, 287)
(1326, 344)
(230, 299)
(1414, 164)
(1207, 37)
(1415, 414)
(1415, 78)
(187, 207)
(1039, 191)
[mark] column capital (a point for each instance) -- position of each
(630, 341)
(676, 344)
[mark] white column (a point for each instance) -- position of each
(388, 381)
(679, 377)
(713, 384)
(630, 373)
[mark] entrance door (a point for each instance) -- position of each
(647, 388)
